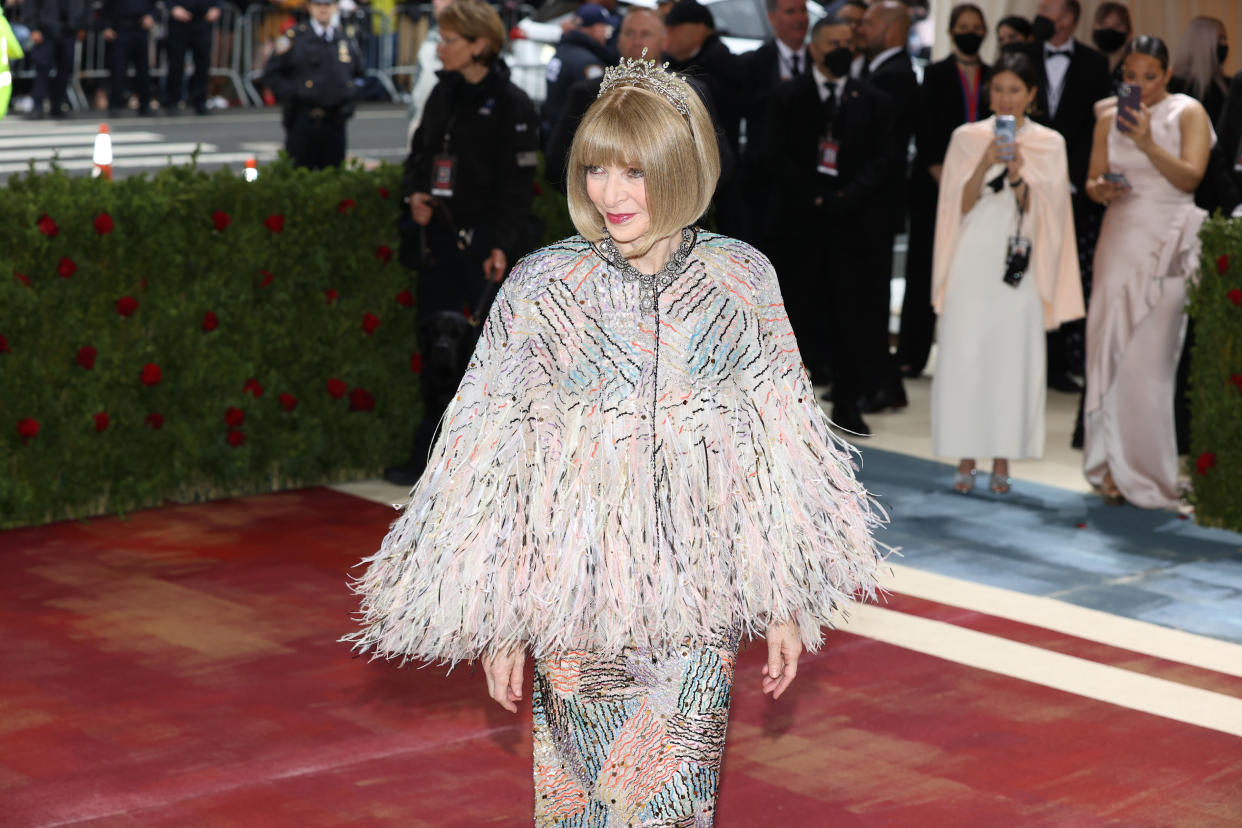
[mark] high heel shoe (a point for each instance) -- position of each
(964, 481)
(1000, 483)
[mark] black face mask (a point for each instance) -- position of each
(1015, 46)
(1222, 52)
(968, 43)
(838, 61)
(1043, 27)
(1108, 40)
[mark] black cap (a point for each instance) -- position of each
(689, 11)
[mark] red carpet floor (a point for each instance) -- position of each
(180, 668)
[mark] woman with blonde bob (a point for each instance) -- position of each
(634, 475)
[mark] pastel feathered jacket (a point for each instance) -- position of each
(608, 478)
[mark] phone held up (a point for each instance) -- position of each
(1129, 101)
(1006, 134)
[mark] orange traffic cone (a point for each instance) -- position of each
(102, 156)
(252, 170)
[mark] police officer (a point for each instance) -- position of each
(189, 29)
(469, 182)
(127, 24)
(581, 55)
(54, 26)
(312, 74)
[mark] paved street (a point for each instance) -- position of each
(225, 138)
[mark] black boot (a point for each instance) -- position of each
(847, 418)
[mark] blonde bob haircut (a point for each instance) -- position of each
(474, 19)
(631, 126)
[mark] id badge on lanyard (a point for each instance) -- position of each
(826, 158)
(443, 175)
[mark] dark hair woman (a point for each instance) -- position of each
(1111, 30)
(953, 93)
(1145, 166)
(1012, 32)
(996, 297)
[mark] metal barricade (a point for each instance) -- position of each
(262, 25)
(226, 50)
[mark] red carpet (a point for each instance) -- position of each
(180, 668)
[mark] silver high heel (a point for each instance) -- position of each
(964, 482)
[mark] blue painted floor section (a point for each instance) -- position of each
(1041, 540)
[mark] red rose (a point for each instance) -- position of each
(101, 421)
(267, 278)
(275, 223)
(1235, 296)
(151, 374)
(22, 277)
(360, 399)
(288, 402)
(405, 299)
(236, 438)
(331, 295)
(234, 417)
(1236, 379)
(253, 387)
(336, 388)
(384, 253)
(1206, 462)
(383, 192)
(126, 305)
(369, 323)
(345, 205)
(416, 363)
(155, 420)
(4, 345)
(103, 224)
(220, 220)
(1222, 263)
(66, 267)
(210, 321)
(143, 282)
(538, 189)
(48, 227)
(27, 428)
(86, 357)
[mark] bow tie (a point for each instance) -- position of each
(1051, 53)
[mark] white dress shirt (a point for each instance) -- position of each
(323, 31)
(786, 59)
(821, 85)
(1055, 69)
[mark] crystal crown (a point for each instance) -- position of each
(646, 74)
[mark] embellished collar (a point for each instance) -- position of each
(649, 284)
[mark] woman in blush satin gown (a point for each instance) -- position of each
(1148, 248)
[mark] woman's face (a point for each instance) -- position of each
(970, 23)
(1145, 72)
(1006, 35)
(1010, 95)
(620, 196)
(455, 52)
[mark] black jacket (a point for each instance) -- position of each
(123, 13)
(578, 58)
(855, 200)
(493, 132)
(56, 17)
(1086, 81)
(942, 109)
(1225, 154)
(308, 72)
(895, 77)
(724, 76)
(197, 8)
(762, 68)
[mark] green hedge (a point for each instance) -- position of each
(1216, 377)
(193, 335)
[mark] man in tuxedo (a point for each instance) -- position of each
(781, 58)
(828, 155)
(1075, 77)
(886, 65)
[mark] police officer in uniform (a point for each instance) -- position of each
(312, 74)
(127, 26)
(189, 29)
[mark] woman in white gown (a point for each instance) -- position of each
(989, 385)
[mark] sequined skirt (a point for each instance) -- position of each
(634, 739)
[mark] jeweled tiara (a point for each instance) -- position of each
(646, 74)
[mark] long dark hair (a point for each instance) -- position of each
(1150, 46)
(1021, 64)
(1019, 24)
(957, 11)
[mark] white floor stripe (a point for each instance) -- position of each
(1093, 625)
(1114, 685)
(155, 160)
(118, 151)
(51, 142)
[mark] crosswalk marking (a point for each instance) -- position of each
(118, 150)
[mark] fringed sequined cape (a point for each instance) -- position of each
(608, 478)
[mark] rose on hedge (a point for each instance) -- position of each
(234, 416)
(275, 223)
(66, 267)
(384, 253)
(416, 363)
(369, 323)
(1205, 462)
(220, 220)
(331, 295)
(126, 305)
(4, 345)
(1235, 296)
(236, 438)
(22, 277)
(267, 278)
(405, 299)
(382, 191)
(101, 421)
(1236, 379)
(86, 357)
(252, 387)
(210, 321)
(46, 226)
(28, 428)
(151, 374)
(155, 420)
(103, 224)
(288, 402)
(336, 388)
(360, 399)
(345, 204)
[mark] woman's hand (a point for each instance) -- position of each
(420, 209)
(992, 155)
(1013, 168)
(1103, 191)
(1137, 126)
(494, 265)
(784, 647)
(504, 676)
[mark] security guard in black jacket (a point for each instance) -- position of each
(189, 29)
(127, 24)
(312, 74)
(468, 186)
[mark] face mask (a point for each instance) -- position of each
(1043, 27)
(1015, 46)
(1222, 52)
(838, 61)
(968, 43)
(1108, 40)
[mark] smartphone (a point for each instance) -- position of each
(1006, 134)
(1129, 100)
(1118, 179)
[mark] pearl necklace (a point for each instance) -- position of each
(649, 284)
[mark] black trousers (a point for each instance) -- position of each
(850, 294)
(798, 258)
(54, 54)
(194, 37)
(918, 320)
(315, 141)
(130, 49)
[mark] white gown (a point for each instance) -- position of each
(988, 390)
